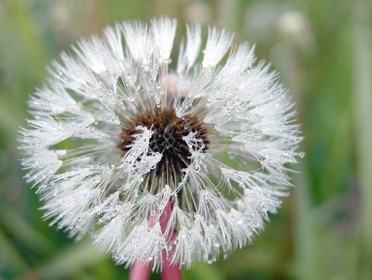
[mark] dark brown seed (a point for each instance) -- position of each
(167, 138)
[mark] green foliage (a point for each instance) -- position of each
(322, 50)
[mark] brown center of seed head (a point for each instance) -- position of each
(168, 131)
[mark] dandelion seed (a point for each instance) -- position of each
(166, 167)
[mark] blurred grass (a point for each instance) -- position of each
(322, 50)
(363, 130)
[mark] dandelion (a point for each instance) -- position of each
(162, 165)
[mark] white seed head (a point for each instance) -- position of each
(117, 141)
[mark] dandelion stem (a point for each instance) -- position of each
(170, 270)
(140, 271)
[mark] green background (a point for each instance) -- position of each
(323, 50)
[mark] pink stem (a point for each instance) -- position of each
(140, 271)
(170, 271)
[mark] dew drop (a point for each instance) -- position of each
(210, 261)
(197, 167)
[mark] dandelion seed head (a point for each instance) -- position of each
(158, 163)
